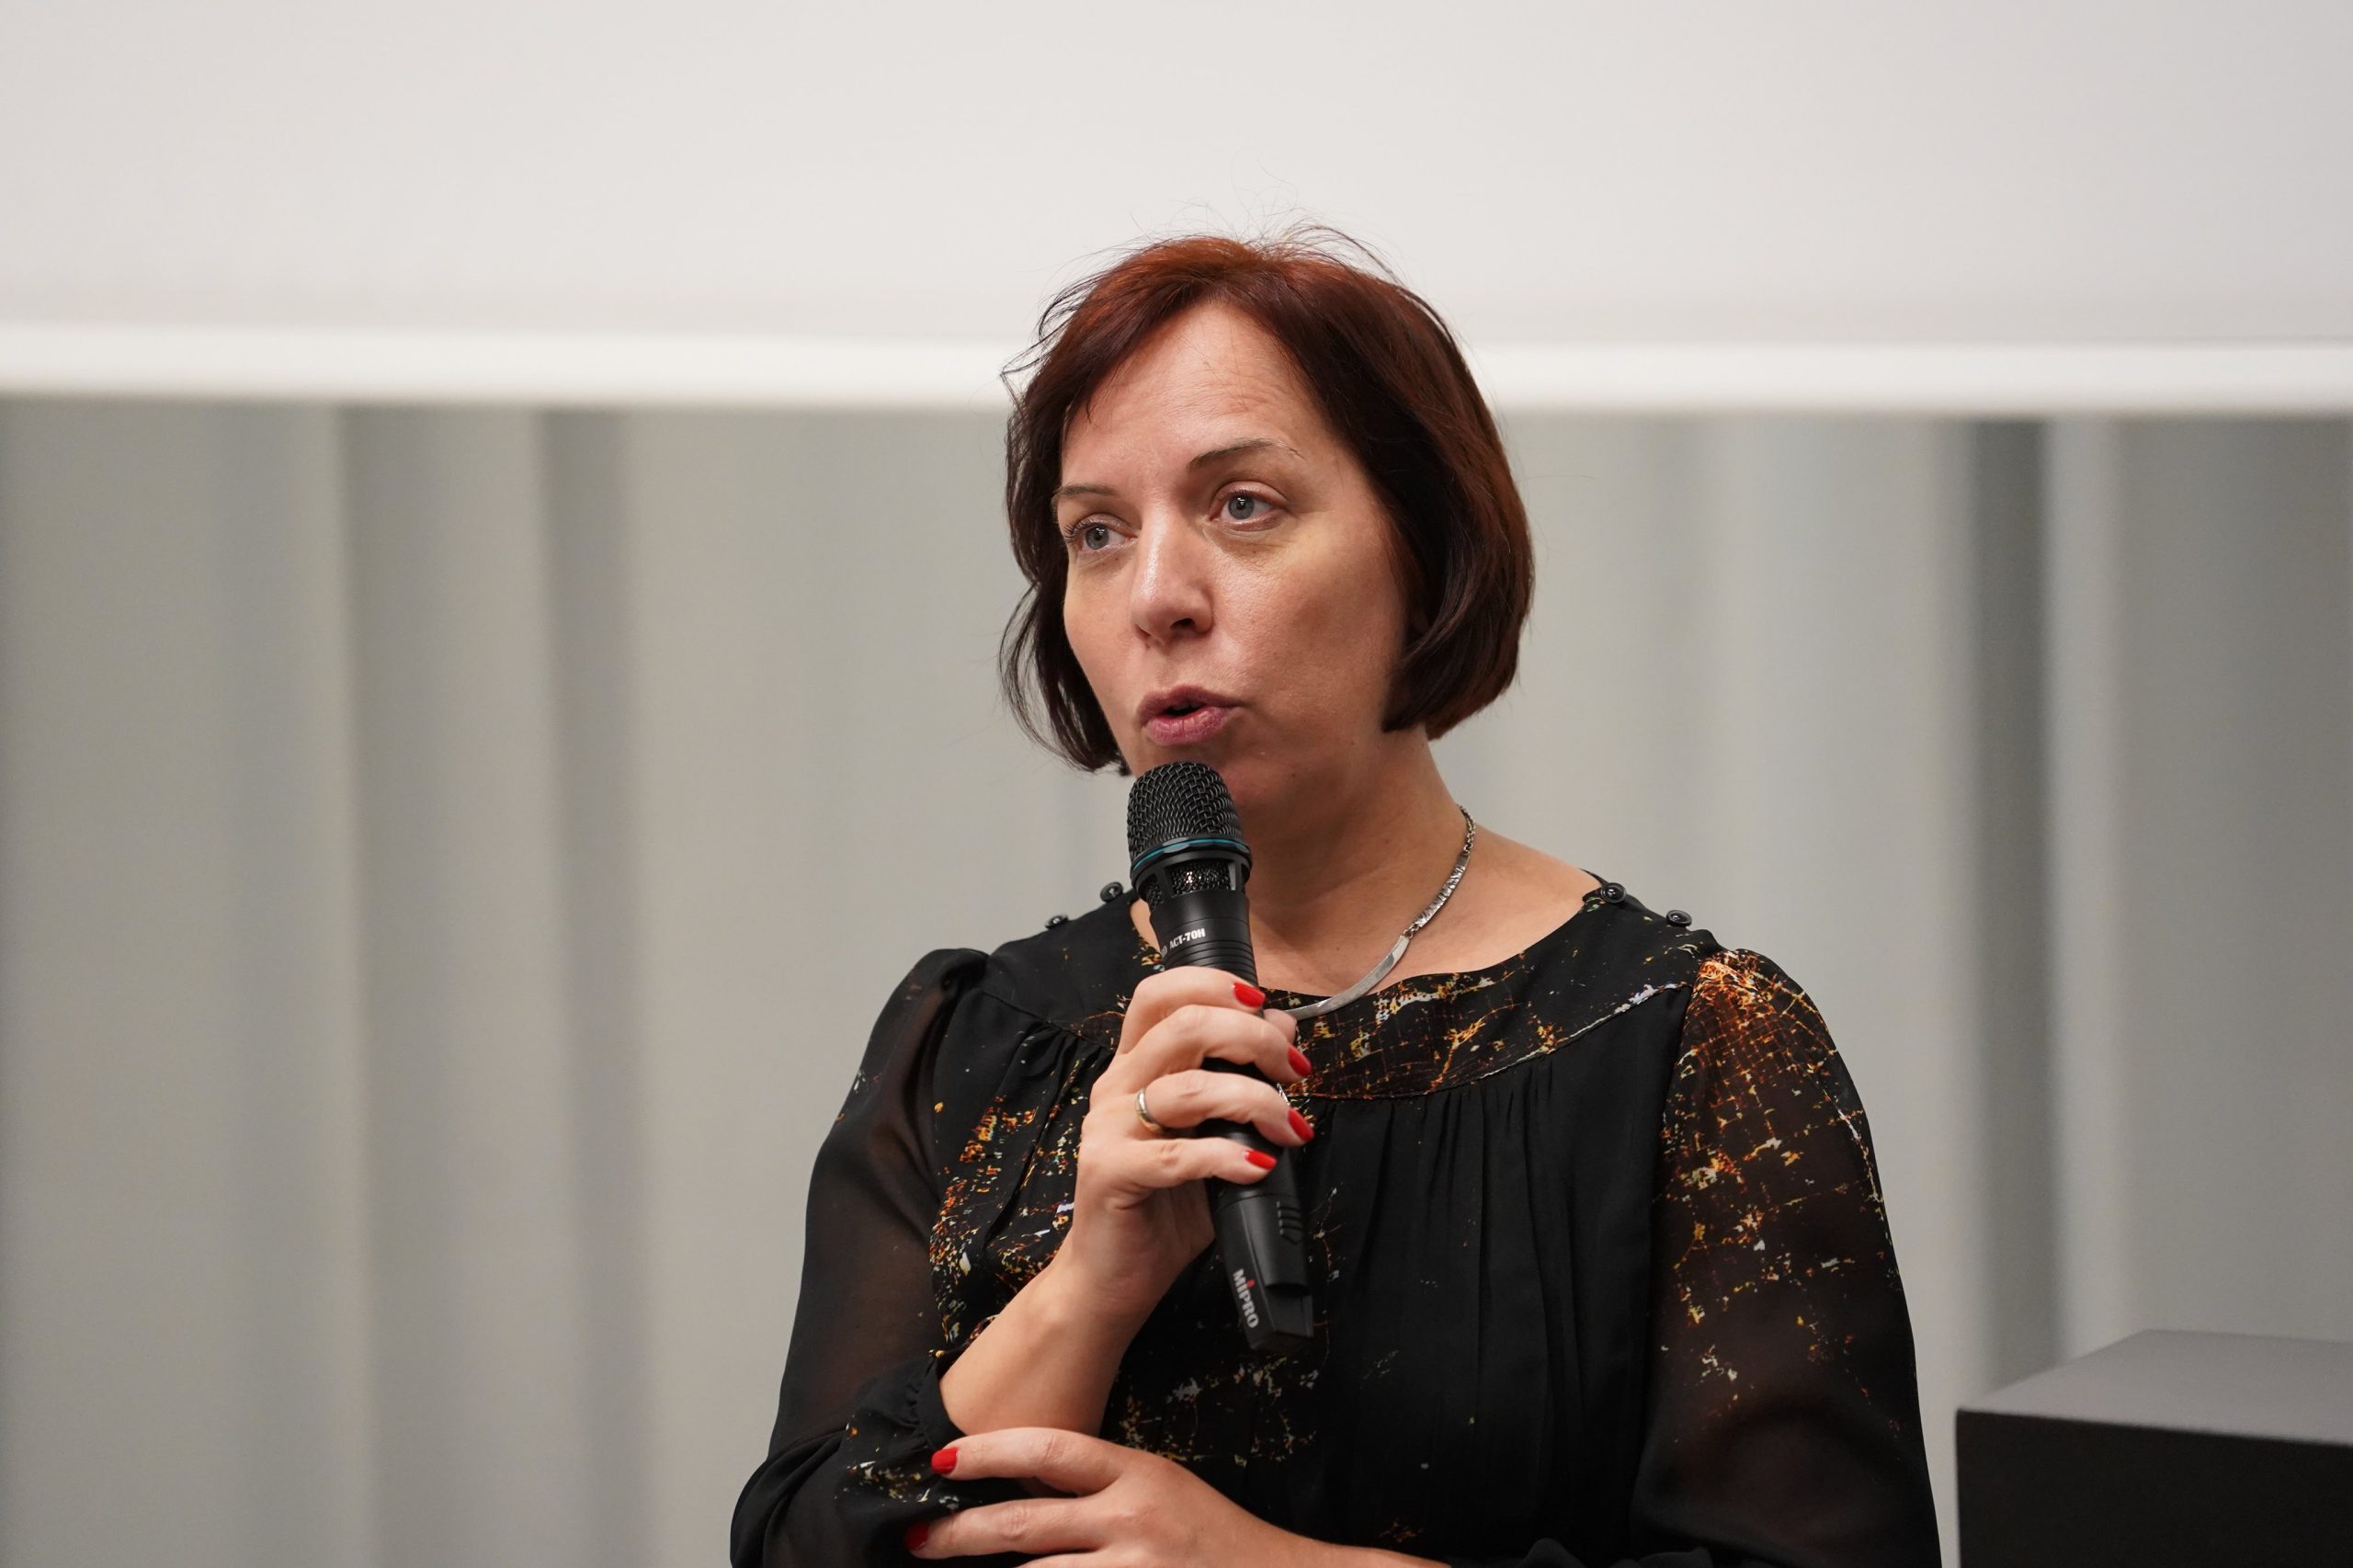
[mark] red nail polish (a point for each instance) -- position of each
(1264, 1161)
(1299, 1063)
(915, 1534)
(1299, 1125)
(944, 1460)
(1249, 994)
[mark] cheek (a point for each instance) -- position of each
(1339, 631)
(1333, 646)
(1083, 623)
(1083, 631)
(1354, 611)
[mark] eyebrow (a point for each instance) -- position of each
(1255, 444)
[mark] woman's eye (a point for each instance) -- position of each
(1078, 534)
(1257, 504)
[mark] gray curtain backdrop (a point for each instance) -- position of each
(449, 862)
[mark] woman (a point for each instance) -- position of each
(1601, 1268)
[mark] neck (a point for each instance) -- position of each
(1337, 875)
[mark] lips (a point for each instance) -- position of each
(1184, 715)
(1189, 728)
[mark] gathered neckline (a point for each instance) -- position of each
(1146, 958)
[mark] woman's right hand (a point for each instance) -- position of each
(1141, 1214)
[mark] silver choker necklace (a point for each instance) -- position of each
(1379, 971)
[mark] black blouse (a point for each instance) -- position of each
(1603, 1272)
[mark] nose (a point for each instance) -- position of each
(1169, 595)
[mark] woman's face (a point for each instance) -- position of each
(1220, 535)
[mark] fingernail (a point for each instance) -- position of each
(945, 1460)
(1261, 1159)
(1299, 1063)
(1299, 1125)
(915, 1534)
(1249, 994)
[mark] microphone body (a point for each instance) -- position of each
(1188, 860)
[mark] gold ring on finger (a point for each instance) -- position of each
(1143, 1112)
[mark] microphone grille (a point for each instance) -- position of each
(1178, 800)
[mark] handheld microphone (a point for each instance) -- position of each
(1187, 856)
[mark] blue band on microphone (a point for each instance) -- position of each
(1137, 870)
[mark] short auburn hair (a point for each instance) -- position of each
(1388, 379)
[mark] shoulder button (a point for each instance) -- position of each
(1613, 892)
(1110, 891)
(1054, 920)
(1677, 918)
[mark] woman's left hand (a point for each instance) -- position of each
(1147, 1511)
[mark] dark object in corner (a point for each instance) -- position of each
(2165, 1448)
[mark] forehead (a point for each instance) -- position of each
(1201, 376)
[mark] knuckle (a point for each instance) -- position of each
(1206, 1094)
(1202, 1037)
(1253, 1098)
(1172, 1097)
(1168, 1028)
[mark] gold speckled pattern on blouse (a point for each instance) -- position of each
(1762, 1134)
(1590, 1205)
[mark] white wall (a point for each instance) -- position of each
(1820, 171)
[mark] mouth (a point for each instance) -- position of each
(1185, 716)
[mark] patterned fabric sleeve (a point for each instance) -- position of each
(859, 1414)
(1783, 1427)
(1784, 1422)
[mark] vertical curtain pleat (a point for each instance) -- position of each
(479, 1348)
(2202, 753)
(189, 1293)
